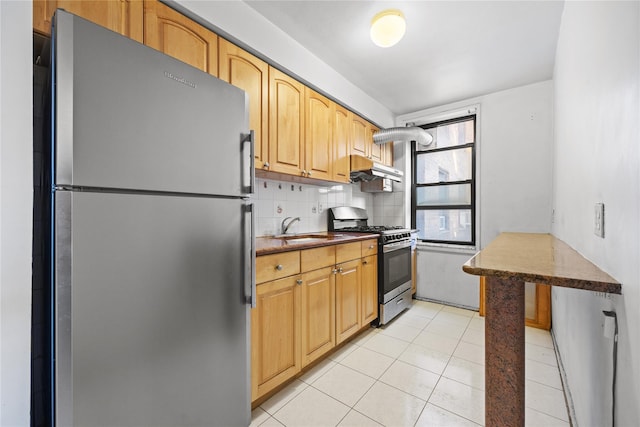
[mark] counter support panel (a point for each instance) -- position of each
(507, 263)
(504, 352)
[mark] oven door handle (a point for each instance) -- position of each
(390, 247)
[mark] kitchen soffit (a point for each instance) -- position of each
(452, 50)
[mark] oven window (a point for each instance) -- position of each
(396, 266)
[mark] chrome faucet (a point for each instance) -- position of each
(284, 227)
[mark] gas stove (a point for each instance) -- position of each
(387, 233)
(354, 220)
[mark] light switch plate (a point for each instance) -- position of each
(599, 220)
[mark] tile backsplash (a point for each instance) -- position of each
(276, 200)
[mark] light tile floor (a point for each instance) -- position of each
(426, 368)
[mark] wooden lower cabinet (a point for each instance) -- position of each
(348, 294)
(369, 289)
(275, 334)
(537, 304)
(318, 314)
(328, 295)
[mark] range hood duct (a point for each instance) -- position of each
(421, 136)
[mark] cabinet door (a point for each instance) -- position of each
(537, 302)
(318, 151)
(121, 16)
(286, 123)
(369, 289)
(341, 144)
(387, 154)
(318, 314)
(275, 334)
(375, 150)
(359, 143)
(348, 295)
(178, 36)
(250, 74)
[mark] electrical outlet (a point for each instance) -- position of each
(599, 220)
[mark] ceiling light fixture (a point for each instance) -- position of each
(387, 27)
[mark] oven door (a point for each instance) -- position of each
(395, 270)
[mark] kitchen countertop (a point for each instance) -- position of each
(271, 244)
(540, 258)
(508, 262)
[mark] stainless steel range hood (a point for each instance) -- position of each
(363, 169)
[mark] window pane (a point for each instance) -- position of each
(443, 166)
(453, 225)
(456, 194)
(451, 135)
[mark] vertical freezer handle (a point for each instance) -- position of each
(250, 138)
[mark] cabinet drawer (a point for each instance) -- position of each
(271, 267)
(369, 247)
(347, 252)
(312, 259)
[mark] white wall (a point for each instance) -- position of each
(514, 144)
(243, 25)
(15, 210)
(597, 159)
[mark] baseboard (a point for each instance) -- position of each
(565, 384)
(466, 307)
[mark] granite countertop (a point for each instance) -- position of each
(540, 258)
(294, 242)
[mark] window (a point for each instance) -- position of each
(443, 187)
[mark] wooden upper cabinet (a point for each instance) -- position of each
(341, 144)
(176, 35)
(375, 150)
(243, 70)
(387, 154)
(121, 16)
(359, 143)
(318, 151)
(286, 123)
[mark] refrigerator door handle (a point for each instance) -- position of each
(250, 138)
(251, 268)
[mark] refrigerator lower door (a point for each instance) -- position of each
(151, 314)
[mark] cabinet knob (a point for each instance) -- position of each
(266, 165)
(299, 281)
(334, 271)
(309, 173)
(365, 262)
(304, 172)
(371, 246)
(340, 270)
(279, 267)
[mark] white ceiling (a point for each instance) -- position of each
(452, 50)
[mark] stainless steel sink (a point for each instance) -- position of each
(304, 239)
(303, 236)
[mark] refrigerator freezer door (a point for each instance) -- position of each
(151, 311)
(130, 117)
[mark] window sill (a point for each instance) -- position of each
(447, 248)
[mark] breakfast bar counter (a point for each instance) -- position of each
(507, 263)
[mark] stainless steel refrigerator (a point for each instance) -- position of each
(152, 236)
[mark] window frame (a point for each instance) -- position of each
(472, 181)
